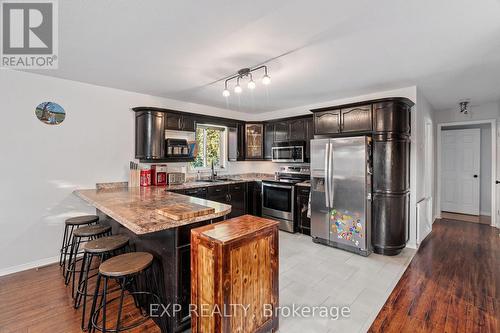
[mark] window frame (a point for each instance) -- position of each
(223, 148)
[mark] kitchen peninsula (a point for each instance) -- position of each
(133, 212)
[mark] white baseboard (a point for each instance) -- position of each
(411, 245)
(30, 265)
(486, 213)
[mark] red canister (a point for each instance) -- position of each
(159, 174)
(146, 177)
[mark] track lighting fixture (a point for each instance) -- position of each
(243, 74)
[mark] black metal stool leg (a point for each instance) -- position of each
(69, 263)
(67, 245)
(133, 287)
(63, 246)
(104, 294)
(85, 289)
(91, 326)
(120, 306)
(83, 278)
(73, 271)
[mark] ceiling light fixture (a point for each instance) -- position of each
(243, 74)
(464, 107)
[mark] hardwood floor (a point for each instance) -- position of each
(452, 284)
(37, 301)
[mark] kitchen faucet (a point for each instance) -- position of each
(214, 174)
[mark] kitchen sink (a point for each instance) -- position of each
(214, 180)
(209, 180)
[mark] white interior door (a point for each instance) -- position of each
(460, 161)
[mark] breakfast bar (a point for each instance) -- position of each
(139, 213)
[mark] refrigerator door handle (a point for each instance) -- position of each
(331, 185)
(326, 181)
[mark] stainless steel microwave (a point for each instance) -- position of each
(291, 152)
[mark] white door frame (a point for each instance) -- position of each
(493, 124)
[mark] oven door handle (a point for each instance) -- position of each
(278, 186)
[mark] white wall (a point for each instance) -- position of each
(421, 182)
(42, 164)
(485, 199)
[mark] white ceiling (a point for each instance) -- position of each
(316, 50)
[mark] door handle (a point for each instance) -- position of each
(475, 176)
(497, 182)
(332, 185)
(326, 181)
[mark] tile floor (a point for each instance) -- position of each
(316, 275)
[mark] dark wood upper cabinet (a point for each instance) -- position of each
(390, 114)
(188, 124)
(309, 137)
(254, 140)
(356, 119)
(281, 131)
(240, 153)
(298, 130)
(327, 122)
(391, 117)
(178, 122)
(268, 140)
(173, 122)
(149, 135)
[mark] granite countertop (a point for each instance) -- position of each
(135, 208)
(234, 179)
(305, 184)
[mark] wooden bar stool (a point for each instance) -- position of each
(124, 268)
(69, 225)
(80, 235)
(102, 248)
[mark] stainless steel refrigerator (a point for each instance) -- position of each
(341, 193)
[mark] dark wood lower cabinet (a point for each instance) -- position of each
(233, 194)
(237, 199)
(200, 192)
(303, 222)
(254, 198)
(184, 282)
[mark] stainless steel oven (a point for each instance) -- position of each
(278, 203)
(289, 152)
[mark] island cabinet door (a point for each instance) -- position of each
(237, 277)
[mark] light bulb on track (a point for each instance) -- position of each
(266, 79)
